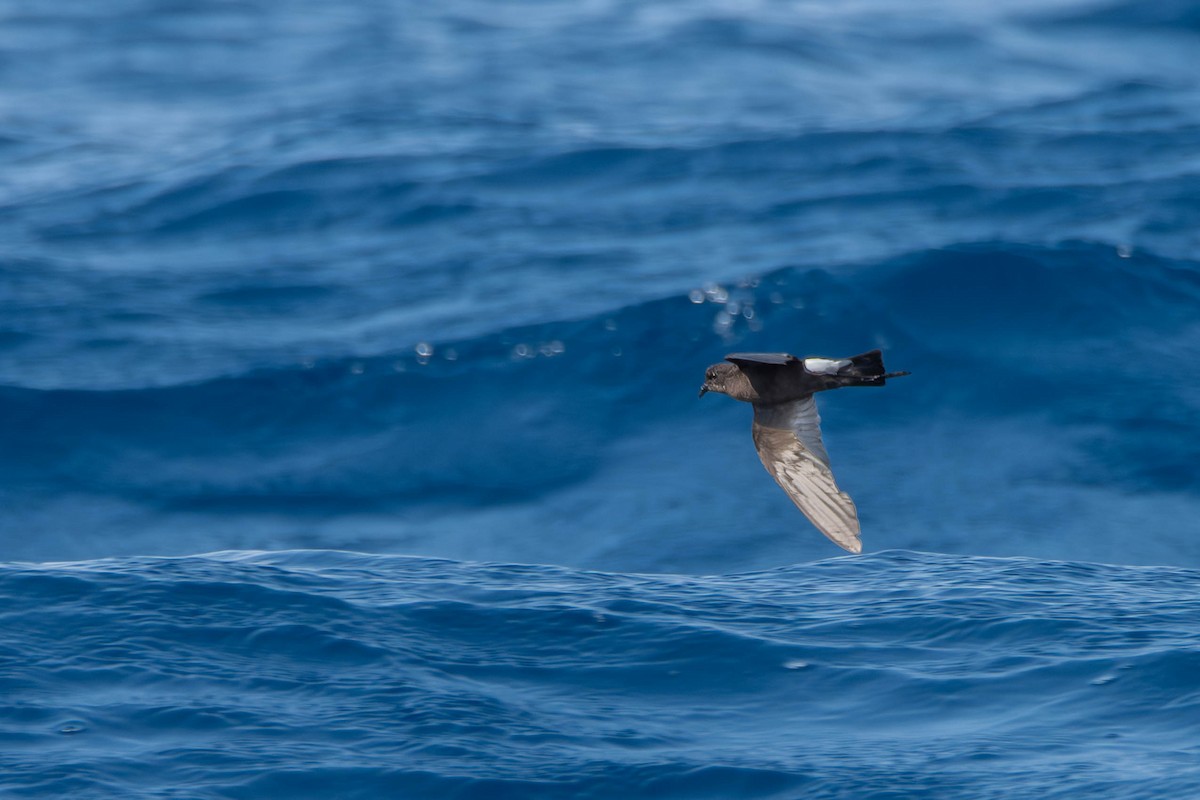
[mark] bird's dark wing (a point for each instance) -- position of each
(788, 440)
(761, 358)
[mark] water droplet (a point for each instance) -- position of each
(424, 349)
(522, 351)
(716, 293)
(748, 312)
(616, 351)
(776, 298)
(610, 324)
(733, 307)
(71, 728)
(450, 354)
(1124, 250)
(795, 663)
(1103, 679)
(398, 366)
(696, 296)
(357, 368)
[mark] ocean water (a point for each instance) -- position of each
(317, 674)
(349, 439)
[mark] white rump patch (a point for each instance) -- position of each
(825, 366)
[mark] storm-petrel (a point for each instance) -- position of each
(787, 428)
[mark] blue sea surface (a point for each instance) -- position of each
(312, 674)
(349, 439)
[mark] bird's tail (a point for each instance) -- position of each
(866, 370)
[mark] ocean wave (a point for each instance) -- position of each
(242, 674)
(222, 267)
(1004, 157)
(1078, 346)
(1174, 15)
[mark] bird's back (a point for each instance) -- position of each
(770, 384)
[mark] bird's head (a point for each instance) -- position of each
(716, 378)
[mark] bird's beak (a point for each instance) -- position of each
(703, 389)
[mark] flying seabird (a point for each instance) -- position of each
(787, 428)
